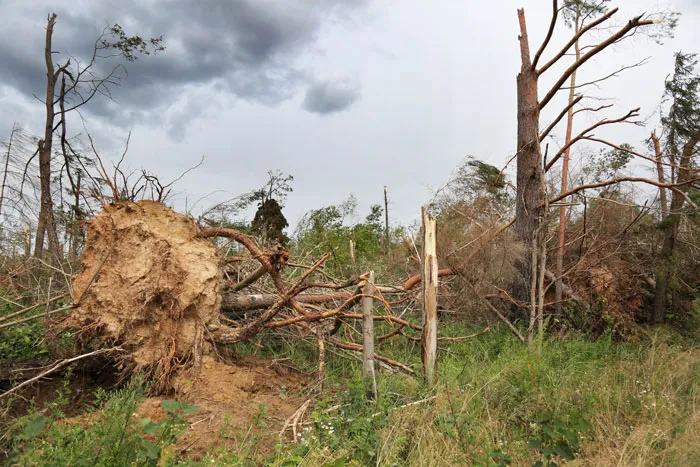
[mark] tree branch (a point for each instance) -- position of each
(555, 14)
(631, 25)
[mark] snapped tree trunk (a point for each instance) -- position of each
(530, 172)
(430, 284)
(658, 153)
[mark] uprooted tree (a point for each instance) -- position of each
(152, 284)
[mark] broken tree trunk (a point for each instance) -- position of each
(530, 172)
(430, 284)
(368, 373)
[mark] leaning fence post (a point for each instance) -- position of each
(368, 374)
(429, 292)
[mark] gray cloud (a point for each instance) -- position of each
(247, 48)
(327, 97)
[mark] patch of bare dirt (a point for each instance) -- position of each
(240, 407)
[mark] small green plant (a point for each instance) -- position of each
(557, 438)
(166, 432)
(109, 435)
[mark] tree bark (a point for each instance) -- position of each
(530, 173)
(7, 164)
(668, 262)
(47, 223)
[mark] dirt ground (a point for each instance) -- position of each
(239, 406)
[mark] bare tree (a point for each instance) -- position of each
(532, 199)
(80, 83)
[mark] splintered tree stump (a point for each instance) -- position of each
(150, 285)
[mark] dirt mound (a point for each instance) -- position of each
(149, 285)
(241, 407)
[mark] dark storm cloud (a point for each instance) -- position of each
(327, 97)
(248, 48)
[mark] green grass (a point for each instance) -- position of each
(601, 402)
(583, 402)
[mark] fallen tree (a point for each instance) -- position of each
(151, 283)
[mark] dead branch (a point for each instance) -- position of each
(671, 186)
(40, 315)
(550, 32)
(632, 24)
(575, 38)
(582, 135)
(30, 308)
(551, 126)
(248, 281)
(57, 366)
(358, 348)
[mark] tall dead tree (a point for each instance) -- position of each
(531, 189)
(429, 298)
(80, 84)
(530, 173)
(47, 221)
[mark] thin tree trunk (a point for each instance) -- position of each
(7, 165)
(386, 222)
(559, 271)
(663, 197)
(530, 174)
(47, 222)
(533, 288)
(77, 218)
(540, 290)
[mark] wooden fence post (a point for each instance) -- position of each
(368, 374)
(429, 292)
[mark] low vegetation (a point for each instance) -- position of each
(590, 402)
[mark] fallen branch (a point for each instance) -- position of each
(30, 308)
(40, 315)
(57, 366)
(358, 348)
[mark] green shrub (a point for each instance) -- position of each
(110, 435)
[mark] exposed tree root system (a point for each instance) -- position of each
(149, 285)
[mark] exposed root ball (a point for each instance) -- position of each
(149, 285)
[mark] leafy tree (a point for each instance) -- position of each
(269, 221)
(682, 136)
(327, 230)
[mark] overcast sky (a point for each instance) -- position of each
(347, 96)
